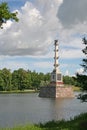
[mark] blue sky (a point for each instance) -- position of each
(29, 43)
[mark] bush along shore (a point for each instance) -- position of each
(78, 123)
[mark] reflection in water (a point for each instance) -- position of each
(23, 108)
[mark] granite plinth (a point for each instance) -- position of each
(56, 92)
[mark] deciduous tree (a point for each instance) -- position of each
(5, 14)
(82, 79)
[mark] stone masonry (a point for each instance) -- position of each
(56, 92)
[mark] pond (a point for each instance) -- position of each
(17, 109)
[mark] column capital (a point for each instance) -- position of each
(56, 42)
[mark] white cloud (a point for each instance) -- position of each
(43, 64)
(71, 54)
(26, 63)
(72, 12)
(80, 71)
(67, 73)
(13, 65)
(7, 25)
(34, 32)
(37, 28)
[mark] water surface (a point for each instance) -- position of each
(18, 109)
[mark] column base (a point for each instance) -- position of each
(56, 92)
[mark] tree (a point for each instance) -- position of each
(20, 79)
(82, 79)
(1, 81)
(5, 14)
(6, 77)
(84, 65)
(47, 77)
(68, 80)
(15, 80)
(29, 80)
(35, 80)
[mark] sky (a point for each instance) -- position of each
(29, 44)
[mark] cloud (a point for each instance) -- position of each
(80, 71)
(67, 73)
(73, 12)
(34, 32)
(13, 65)
(43, 64)
(71, 54)
(7, 25)
(34, 63)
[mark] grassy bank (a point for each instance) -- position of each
(18, 91)
(78, 123)
(77, 89)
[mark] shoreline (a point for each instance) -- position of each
(19, 91)
(75, 89)
(77, 123)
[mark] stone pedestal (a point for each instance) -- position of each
(56, 92)
(64, 92)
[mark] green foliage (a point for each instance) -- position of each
(84, 65)
(35, 80)
(5, 14)
(1, 81)
(78, 123)
(21, 79)
(82, 79)
(6, 79)
(69, 80)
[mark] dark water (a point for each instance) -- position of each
(18, 109)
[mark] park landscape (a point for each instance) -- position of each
(25, 81)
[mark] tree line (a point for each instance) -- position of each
(22, 79)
